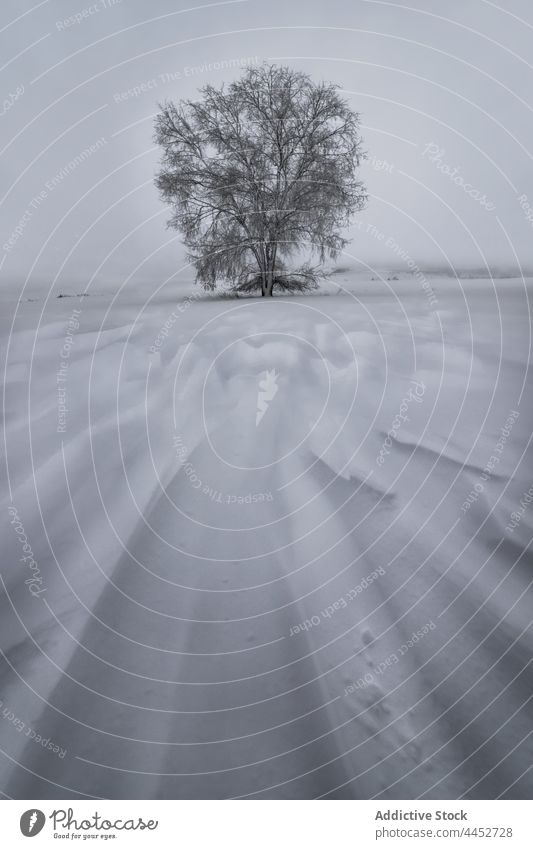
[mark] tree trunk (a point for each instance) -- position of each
(263, 269)
(271, 269)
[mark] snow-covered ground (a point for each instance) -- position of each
(269, 544)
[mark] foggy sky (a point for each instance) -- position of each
(444, 92)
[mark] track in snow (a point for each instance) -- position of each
(230, 605)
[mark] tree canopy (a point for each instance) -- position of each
(257, 172)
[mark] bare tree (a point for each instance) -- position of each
(257, 171)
